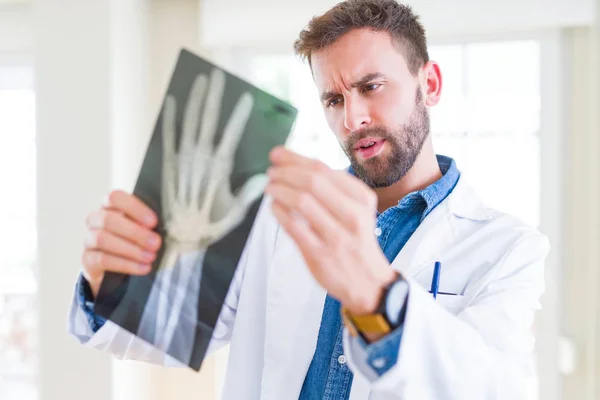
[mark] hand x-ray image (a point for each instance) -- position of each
(204, 175)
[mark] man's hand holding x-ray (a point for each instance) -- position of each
(198, 207)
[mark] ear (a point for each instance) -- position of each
(431, 83)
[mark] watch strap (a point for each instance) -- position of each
(365, 324)
(376, 323)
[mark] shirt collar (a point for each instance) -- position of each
(435, 193)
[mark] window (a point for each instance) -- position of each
(489, 120)
(18, 318)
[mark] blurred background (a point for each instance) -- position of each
(81, 83)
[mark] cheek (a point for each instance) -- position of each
(392, 110)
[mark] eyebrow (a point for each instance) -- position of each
(362, 81)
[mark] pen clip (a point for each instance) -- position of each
(435, 282)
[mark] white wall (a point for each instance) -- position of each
(101, 71)
(73, 89)
(552, 201)
(581, 315)
(16, 28)
(246, 26)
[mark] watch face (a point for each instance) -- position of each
(395, 299)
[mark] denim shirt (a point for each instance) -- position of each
(329, 377)
(85, 302)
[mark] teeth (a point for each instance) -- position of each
(368, 145)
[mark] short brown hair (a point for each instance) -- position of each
(407, 32)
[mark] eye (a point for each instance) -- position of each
(370, 87)
(334, 102)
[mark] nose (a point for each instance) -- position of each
(356, 114)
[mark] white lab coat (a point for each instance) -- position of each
(477, 345)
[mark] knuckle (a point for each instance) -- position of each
(151, 238)
(95, 219)
(113, 197)
(339, 243)
(355, 223)
(140, 254)
(318, 166)
(100, 259)
(325, 262)
(303, 201)
(85, 259)
(91, 239)
(92, 259)
(99, 239)
(370, 198)
(105, 219)
(314, 182)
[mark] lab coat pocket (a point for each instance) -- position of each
(453, 303)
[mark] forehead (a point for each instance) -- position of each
(357, 53)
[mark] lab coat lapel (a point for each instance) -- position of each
(294, 309)
(427, 243)
(437, 233)
(295, 300)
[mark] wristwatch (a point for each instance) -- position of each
(386, 318)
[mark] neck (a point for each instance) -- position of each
(423, 173)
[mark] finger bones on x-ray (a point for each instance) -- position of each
(198, 205)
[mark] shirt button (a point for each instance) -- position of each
(378, 231)
(342, 359)
(379, 363)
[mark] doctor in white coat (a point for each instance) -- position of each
(317, 239)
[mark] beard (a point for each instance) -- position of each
(405, 143)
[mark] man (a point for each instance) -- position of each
(331, 298)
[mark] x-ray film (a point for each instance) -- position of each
(204, 175)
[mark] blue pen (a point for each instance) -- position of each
(435, 282)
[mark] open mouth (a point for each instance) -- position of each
(369, 147)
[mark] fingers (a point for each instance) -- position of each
(235, 127)
(348, 184)
(212, 110)
(96, 263)
(236, 210)
(169, 156)
(168, 128)
(118, 224)
(306, 240)
(252, 189)
(132, 206)
(314, 212)
(203, 150)
(116, 245)
(282, 156)
(221, 169)
(319, 185)
(355, 188)
(191, 115)
(188, 136)
(119, 239)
